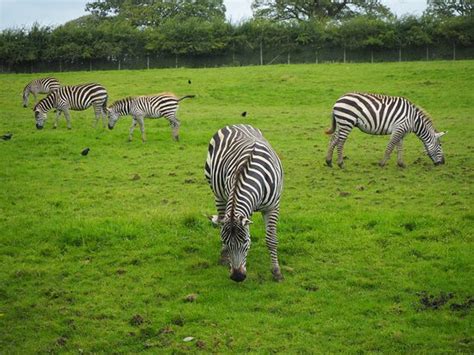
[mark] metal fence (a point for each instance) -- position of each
(264, 55)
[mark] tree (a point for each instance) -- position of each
(450, 8)
(302, 10)
(146, 13)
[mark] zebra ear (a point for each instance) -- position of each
(246, 222)
(216, 220)
(440, 134)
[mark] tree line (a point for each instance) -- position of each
(118, 30)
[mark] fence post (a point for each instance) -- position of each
(454, 50)
(317, 59)
(90, 64)
(289, 56)
(148, 62)
(60, 65)
(176, 60)
(371, 56)
(261, 52)
(344, 54)
(399, 54)
(119, 64)
(427, 53)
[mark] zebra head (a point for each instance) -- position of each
(40, 117)
(25, 97)
(434, 150)
(113, 117)
(235, 236)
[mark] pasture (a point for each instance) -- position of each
(112, 252)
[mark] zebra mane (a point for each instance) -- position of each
(425, 117)
(124, 100)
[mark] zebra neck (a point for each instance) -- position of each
(123, 108)
(46, 104)
(424, 129)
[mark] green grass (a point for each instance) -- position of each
(93, 259)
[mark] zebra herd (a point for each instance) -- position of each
(242, 169)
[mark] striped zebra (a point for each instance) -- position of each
(245, 175)
(77, 98)
(153, 106)
(39, 86)
(382, 115)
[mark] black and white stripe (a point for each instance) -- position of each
(39, 86)
(381, 115)
(153, 106)
(246, 175)
(77, 98)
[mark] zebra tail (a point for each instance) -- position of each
(333, 127)
(186, 97)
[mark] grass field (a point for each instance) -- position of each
(98, 253)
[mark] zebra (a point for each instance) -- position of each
(152, 106)
(245, 175)
(382, 115)
(77, 98)
(39, 86)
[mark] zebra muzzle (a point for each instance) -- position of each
(238, 275)
(38, 126)
(110, 126)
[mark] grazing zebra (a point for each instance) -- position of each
(380, 114)
(77, 98)
(39, 86)
(153, 106)
(246, 175)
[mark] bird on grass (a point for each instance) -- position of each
(85, 151)
(243, 114)
(7, 136)
(189, 82)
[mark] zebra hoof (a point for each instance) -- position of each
(382, 164)
(277, 276)
(341, 165)
(401, 165)
(329, 163)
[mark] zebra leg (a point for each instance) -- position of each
(56, 119)
(340, 146)
(332, 145)
(271, 219)
(400, 162)
(396, 138)
(68, 118)
(174, 123)
(98, 114)
(132, 128)
(220, 206)
(141, 123)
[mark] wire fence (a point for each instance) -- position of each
(263, 55)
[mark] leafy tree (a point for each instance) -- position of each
(450, 8)
(302, 10)
(144, 13)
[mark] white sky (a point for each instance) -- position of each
(18, 13)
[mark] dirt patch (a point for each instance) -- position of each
(429, 301)
(136, 320)
(463, 307)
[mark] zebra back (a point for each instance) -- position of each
(77, 97)
(244, 170)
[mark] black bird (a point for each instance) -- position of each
(85, 151)
(243, 114)
(7, 136)
(189, 81)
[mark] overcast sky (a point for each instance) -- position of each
(18, 13)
